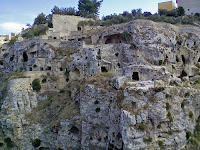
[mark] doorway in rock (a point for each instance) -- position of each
(25, 57)
(135, 76)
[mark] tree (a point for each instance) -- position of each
(40, 19)
(63, 11)
(137, 12)
(181, 11)
(89, 8)
(49, 21)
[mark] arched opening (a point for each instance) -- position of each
(30, 69)
(74, 130)
(79, 28)
(183, 59)
(25, 57)
(61, 69)
(135, 76)
(103, 69)
(41, 68)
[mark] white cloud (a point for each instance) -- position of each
(12, 26)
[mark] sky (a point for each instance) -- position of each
(15, 14)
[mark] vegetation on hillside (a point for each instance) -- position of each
(173, 17)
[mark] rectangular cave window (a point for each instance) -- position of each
(41, 68)
(48, 68)
(61, 69)
(30, 69)
(135, 76)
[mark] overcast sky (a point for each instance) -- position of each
(14, 14)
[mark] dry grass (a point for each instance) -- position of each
(65, 52)
(101, 80)
(58, 106)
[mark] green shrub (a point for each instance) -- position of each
(168, 106)
(62, 91)
(191, 114)
(142, 127)
(168, 96)
(35, 31)
(160, 62)
(188, 134)
(160, 143)
(1, 62)
(198, 65)
(147, 140)
(36, 142)
(187, 94)
(9, 143)
(170, 117)
(182, 104)
(170, 132)
(36, 85)
(96, 102)
(194, 142)
(175, 83)
(13, 39)
(126, 36)
(159, 126)
(5, 55)
(133, 103)
(98, 109)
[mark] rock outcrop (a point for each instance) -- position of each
(130, 86)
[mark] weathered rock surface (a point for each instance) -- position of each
(139, 93)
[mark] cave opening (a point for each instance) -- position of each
(11, 58)
(79, 28)
(48, 68)
(183, 59)
(183, 74)
(199, 59)
(74, 130)
(103, 69)
(25, 57)
(135, 76)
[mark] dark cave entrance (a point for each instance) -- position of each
(135, 76)
(25, 57)
(199, 59)
(103, 69)
(183, 74)
(183, 59)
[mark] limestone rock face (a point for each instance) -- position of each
(100, 90)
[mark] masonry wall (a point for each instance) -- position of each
(190, 6)
(166, 5)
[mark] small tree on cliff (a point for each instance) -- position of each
(40, 19)
(89, 8)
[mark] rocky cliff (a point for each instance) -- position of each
(130, 86)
